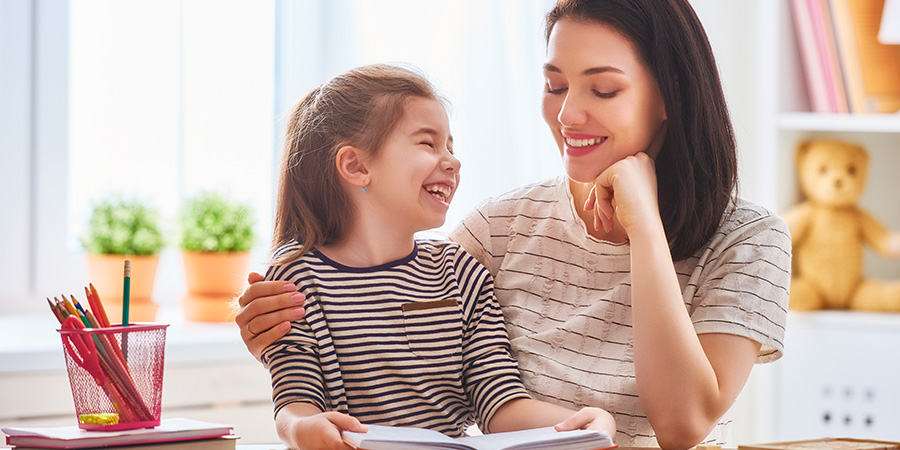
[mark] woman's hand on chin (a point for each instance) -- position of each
(626, 190)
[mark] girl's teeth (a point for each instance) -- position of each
(440, 192)
(583, 142)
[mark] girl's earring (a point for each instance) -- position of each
(365, 189)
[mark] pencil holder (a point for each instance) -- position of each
(116, 375)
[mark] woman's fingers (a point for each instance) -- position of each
(266, 310)
(256, 344)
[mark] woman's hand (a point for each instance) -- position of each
(302, 426)
(626, 190)
(589, 419)
(266, 311)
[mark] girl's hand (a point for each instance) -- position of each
(266, 311)
(626, 190)
(589, 419)
(323, 431)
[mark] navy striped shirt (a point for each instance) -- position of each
(416, 342)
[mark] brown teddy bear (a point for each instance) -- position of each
(828, 232)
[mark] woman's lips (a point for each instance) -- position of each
(576, 145)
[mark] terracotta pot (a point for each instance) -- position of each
(214, 280)
(107, 274)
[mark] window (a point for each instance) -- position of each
(163, 98)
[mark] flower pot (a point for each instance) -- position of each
(214, 280)
(107, 274)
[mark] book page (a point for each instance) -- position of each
(540, 438)
(380, 437)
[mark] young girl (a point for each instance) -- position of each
(396, 331)
(636, 281)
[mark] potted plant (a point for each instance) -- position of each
(216, 237)
(123, 228)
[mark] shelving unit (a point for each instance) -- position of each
(840, 370)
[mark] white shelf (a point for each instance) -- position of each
(848, 123)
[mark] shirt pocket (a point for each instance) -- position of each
(434, 329)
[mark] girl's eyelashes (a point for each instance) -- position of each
(434, 147)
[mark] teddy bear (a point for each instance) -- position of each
(829, 231)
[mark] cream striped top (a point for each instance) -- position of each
(566, 296)
(415, 342)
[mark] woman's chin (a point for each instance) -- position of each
(580, 174)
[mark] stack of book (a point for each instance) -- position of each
(846, 68)
(171, 434)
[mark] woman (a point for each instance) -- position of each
(637, 283)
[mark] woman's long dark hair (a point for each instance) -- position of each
(697, 166)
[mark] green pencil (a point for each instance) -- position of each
(126, 292)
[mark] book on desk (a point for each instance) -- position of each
(171, 434)
(405, 438)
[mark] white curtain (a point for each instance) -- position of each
(485, 56)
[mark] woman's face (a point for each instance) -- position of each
(601, 102)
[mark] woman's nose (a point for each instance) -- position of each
(572, 112)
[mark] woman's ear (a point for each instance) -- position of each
(351, 166)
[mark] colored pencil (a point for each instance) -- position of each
(126, 292)
(56, 312)
(100, 312)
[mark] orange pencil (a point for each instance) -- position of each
(101, 313)
(69, 306)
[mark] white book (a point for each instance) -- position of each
(72, 437)
(404, 438)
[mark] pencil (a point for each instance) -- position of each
(100, 312)
(56, 312)
(69, 306)
(76, 304)
(126, 292)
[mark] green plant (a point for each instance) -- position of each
(210, 222)
(123, 226)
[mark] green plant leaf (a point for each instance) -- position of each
(210, 222)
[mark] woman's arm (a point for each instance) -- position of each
(266, 311)
(685, 382)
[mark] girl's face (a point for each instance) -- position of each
(601, 103)
(414, 176)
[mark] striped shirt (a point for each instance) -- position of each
(567, 299)
(416, 342)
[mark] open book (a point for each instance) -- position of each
(402, 438)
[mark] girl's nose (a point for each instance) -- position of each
(571, 113)
(451, 164)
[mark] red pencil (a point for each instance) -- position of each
(94, 308)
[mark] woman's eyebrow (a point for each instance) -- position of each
(591, 71)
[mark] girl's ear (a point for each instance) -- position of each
(351, 166)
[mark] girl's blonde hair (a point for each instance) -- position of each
(358, 108)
